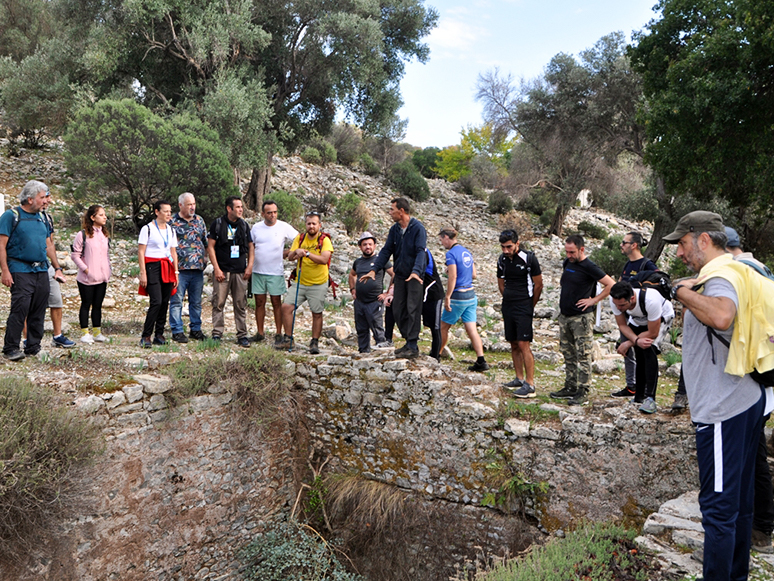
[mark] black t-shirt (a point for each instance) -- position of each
(369, 291)
(579, 281)
(227, 234)
(634, 266)
(517, 275)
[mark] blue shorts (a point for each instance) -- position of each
(460, 309)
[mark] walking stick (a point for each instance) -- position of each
(295, 306)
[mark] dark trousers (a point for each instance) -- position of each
(92, 296)
(407, 308)
(431, 318)
(368, 320)
(763, 514)
(646, 369)
(389, 323)
(726, 453)
(159, 293)
(29, 299)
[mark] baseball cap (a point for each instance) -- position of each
(698, 221)
(733, 238)
(365, 236)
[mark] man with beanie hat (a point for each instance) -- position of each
(368, 295)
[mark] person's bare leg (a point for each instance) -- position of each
(475, 339)
(444, 335)
(287, 317)
(56, 320)
(260, 312)
(529, 360)
(518, 360)
(317, 323)
(276, 305)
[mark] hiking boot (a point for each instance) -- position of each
(579, 398)
(564, 393)
(63, 342)
(278, 339)
(680, 403)
(761, 542)
(649, 406)
(179, 338)
(197, 336)
(257, 338)
(526, 390)
(384, 345)
(14, 355)
(146, 343)
(402, 350)
(159, 340)
(479, 366)
(408, 354)
(314, 346)
(514, 384)
(625, 392)
(284, 343)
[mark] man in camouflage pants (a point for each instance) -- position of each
(576, 318)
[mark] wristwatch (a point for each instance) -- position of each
(307, 254)
(673, 292)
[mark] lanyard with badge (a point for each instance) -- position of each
(234, 247)
(163, 239)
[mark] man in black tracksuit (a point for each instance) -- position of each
(406, 244)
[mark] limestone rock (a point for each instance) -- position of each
(89, 404)
(153, 384)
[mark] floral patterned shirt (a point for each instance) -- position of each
(191, 242)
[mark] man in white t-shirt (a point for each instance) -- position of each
(643, 317)
(269, 238)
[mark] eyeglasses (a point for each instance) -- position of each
(624, 243)
(313, 214)
(48, 193)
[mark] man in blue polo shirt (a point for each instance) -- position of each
(460, 301)
(24, 240)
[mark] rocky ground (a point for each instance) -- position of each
(96, 369)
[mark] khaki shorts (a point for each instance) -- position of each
(268, 284)
(314, 295)
(54, 291)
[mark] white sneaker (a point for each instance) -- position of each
(101, 338)
(87, 338)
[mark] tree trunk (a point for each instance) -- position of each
(663, 224)
(260, 183)
(558, 222)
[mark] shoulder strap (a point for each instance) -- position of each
(762, 271)
(642, 302)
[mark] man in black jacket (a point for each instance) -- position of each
(406, 244)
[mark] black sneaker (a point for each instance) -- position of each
(197, 335)
(408, 354)
(216, 338)
(402, 350)
(578, 399)
(14, 355)
(159, 340)
(257, 338)
(515, 384)
(564, 393)
(483, 366)
(179, 338)
(314, 347)
(243, 342)
(625, 392)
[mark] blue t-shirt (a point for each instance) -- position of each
(27, 246)
(463, 259)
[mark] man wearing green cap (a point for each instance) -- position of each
(727, 410)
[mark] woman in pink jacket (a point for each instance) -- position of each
(91, 253)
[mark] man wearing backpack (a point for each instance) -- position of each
(631, 246)
(231, 253)
(313, 249)
(726, 409)
(25, 245)
(641, 313)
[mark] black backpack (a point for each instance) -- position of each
(654, 279)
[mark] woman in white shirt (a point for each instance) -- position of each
(158, 271)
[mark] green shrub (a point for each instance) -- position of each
(348, 141)
(323, 202)
(499, 203)
(547, 217)
(595, 552)
(354, 213)
(42, 444)
(609, 257)
(290, 550)
(592, 230)
(369, 166)
(311, 155)
(327, 152)
(678, 269)
(538, 202)
(289, 207)
(425, 160)
(405, 178)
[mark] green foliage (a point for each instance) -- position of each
(499, 203)
(290, 550)
(453, 163)
(42, 444)
(592, 230)
(609, 257)
(678, 269)
(24, 25)
(672, 357)
(311, 155)
(369, 166)
(123, 146)
(258, 379)
(537, 201)
(513, 490)
(595, 552)
(405, 178)
(348, 142)
(425, 160)
(353, 213)
(289, 207)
